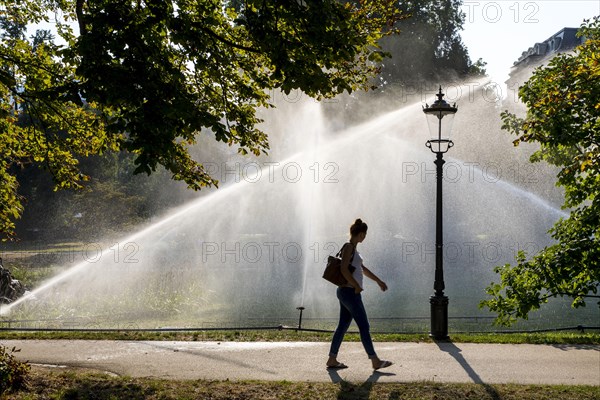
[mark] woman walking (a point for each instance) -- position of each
(351, 305)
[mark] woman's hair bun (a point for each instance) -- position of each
(358, 227)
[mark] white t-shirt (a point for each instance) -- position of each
(357, 262)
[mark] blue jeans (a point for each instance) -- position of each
(351, 307)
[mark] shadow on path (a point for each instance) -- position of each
(456, 353)
(349, 390)
(567, 347)
(211, 356)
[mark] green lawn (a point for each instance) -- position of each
(292, 335)
(43, 384)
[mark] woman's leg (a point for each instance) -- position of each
(353, 302)
(343, 325)
(360, 317)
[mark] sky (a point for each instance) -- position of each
(499, 31)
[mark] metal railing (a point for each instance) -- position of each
(69, 325)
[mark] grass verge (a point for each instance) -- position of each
(292, 335)
(45, 384)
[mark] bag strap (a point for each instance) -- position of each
(339, 253)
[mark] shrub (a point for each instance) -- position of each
(12, 371)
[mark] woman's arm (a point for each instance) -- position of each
(346, 260)
(367, 272)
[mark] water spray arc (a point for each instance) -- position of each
(229, 258)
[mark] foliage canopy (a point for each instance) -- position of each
(148, 76)
(429, 46)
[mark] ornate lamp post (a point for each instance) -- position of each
(440, 116)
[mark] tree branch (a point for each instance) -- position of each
(573, 295)
(227, 41)
(80, 16)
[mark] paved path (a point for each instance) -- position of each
(304, 361)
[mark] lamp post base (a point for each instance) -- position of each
(439, 317)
